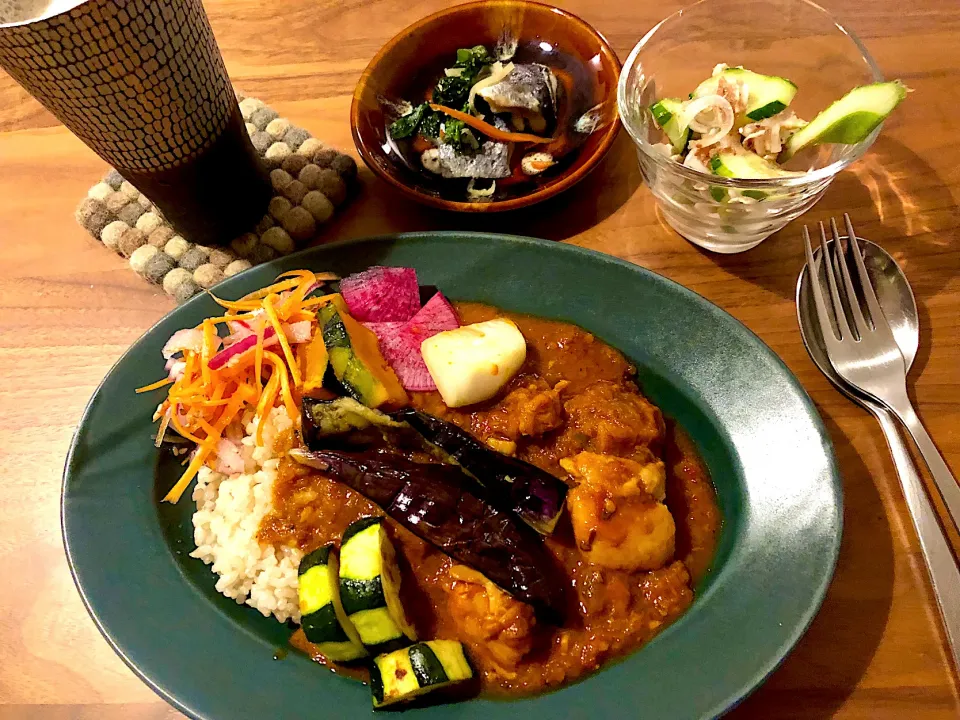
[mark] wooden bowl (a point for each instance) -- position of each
(419, 53)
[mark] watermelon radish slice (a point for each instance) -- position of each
(382, 294)
(400, 342)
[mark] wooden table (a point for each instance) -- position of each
(69, 308)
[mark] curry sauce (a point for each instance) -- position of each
(574, 394)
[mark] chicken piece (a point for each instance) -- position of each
(494, 624)
(532, 410)
(614, 419)
(766, 137)
(616, 511)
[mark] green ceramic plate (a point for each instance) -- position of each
(765, 446)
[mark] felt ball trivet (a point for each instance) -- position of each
(310, 181)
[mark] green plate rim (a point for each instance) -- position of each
(721, 705)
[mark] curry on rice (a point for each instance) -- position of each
(635, 530)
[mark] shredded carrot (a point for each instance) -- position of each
(494, 133)
(284, 343)
(203, 403)
(154, 386)
(177, 490)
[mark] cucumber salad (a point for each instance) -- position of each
(738, 124)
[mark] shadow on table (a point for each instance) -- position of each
(895, 198)
(379, 209)
(828, 662)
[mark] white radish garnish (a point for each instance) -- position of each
(472, 363)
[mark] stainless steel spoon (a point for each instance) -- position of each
(900, 308)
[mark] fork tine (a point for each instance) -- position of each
(813, 277)
(838, 311)
(876, 313)
(862, 327)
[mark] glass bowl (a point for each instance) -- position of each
(796, 39)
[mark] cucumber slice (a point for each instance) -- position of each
(666, 113)
(321, 614)
(405, 674)
(766, 94)
(850, 119)
(746, 165)
(370, 586)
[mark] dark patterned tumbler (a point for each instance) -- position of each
(143, 84)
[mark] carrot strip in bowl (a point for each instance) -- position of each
(494, 133)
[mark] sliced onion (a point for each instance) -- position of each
(175, 368)
(498, 72)
(187, 339)
(229, 458)
(298, 332)
(695, 107)
(247, 344)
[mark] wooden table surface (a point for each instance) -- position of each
(69, 308)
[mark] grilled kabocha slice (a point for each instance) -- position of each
(321, 613)
(370, 586)
(405, 674)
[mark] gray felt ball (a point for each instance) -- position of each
(295, 191)
(331, 184)
(280, 178)
(131, 212)
(185, 290)
(346, 166)
(113, 179)
(244, 244)
(112, 232)
(158, 266)
(116, 202)
(317, 204)
(174, 278)
(130, 241)
(266, 222)
(261, 141)
(295, 137)
(262, 253)
(161, 236)
(278, 239)
(294, 164)
(193, 258)
(309, 175)
(262, 117)
(278, 208)
(93, 216)
(300, 224)
(325, 157)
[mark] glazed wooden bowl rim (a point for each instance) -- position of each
(565, 181)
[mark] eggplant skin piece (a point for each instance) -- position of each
(534, 494)
(446, 507)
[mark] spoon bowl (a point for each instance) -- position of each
(895, 297)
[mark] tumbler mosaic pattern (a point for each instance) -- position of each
(141, 82)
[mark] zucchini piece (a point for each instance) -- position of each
(356, 360)
(666, 113)
(850, 119)
(767, 95)
(370, 586)
(746, 165)
(405, 674)
(321, 614)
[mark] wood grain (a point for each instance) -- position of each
(69, 307)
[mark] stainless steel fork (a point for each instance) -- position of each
(866, 355)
